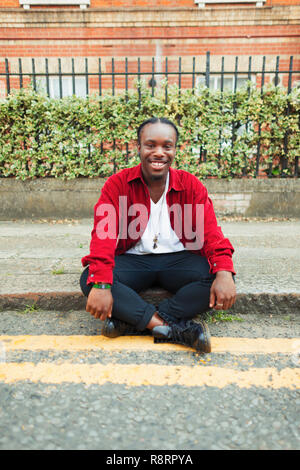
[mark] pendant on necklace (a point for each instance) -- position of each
(155, 240)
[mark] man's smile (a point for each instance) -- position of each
(157, 164)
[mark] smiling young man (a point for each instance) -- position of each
(155, 225)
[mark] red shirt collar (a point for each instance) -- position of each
(174, 183)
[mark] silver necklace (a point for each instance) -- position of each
(156, 235)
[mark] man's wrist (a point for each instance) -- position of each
(223, 273)
(102, 285)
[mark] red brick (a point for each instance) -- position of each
(150, 32)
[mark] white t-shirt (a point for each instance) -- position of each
(158, 225)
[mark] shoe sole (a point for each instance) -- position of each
(109, 334)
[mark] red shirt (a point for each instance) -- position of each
(127, 188)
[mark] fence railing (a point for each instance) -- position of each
(120, 74)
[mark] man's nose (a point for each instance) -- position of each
(159, 152)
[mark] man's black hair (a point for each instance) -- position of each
(154, 120)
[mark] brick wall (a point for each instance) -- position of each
(143, 3)
(133, 33)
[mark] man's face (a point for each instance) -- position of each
(157, 150)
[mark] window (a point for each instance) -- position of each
(202, 3)
(27, 3)
(66, 85)
(215, 82)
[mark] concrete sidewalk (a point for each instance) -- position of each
(41, 264)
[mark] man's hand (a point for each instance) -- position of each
(99, 303)
(222, 292)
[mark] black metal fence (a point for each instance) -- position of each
(86, 81)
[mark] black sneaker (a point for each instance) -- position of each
(113, 327)
(189, 333)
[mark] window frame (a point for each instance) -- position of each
(67, 86)
(200, 80)
(26, 4)
(202, 3)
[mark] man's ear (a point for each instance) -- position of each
(138, 146)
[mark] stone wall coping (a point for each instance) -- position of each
(94, 184)
(56, 198)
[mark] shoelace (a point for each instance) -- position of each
(179, 332)
(193, 326)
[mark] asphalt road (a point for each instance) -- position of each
(63, 386)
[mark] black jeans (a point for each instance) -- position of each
(184, 274)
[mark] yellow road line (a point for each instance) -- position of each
(145, 343)
(149, 374)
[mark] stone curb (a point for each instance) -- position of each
(263, 303)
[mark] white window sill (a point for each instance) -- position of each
(28, 3)
(202, 3)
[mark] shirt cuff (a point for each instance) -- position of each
(221, 265)
(105, 277)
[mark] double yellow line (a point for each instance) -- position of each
(145, 343)
(201, 374)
